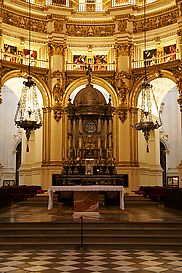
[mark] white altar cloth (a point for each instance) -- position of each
(98, 188)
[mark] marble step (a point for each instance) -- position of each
(91, 240)
(90, 225)
(37, 234)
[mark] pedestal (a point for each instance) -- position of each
(86, 204)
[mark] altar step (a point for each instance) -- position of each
(105, 234)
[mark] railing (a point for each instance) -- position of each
(92, 6)
(95, 67)
(116, 3)
(13, 58)
(165, 58)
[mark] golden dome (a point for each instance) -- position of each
(89, 96)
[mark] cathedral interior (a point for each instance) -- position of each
(88, 60)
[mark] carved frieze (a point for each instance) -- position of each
(17, 20)
(90, 30)
(157, 21)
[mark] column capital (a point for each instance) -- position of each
(124, 49)
(55, 48)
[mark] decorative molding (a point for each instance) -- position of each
(89, 22)
(56, 74)
(122, 112)
(58, 112)
(69, 44)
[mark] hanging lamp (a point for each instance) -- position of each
(146, 123)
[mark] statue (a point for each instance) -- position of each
(89, 73)
(58, 91)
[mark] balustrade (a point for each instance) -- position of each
(95, 67)
(23, 60)
(157, 60)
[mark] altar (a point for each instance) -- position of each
(85, 197)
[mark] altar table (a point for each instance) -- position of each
(89, 188)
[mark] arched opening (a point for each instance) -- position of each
(164, 101)
(163, 162)
(18, 162)
(11, 135)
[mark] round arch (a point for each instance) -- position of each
(134, 94)
(95, 80)
(39, 82)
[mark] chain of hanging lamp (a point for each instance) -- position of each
(28, 114)
(146, 124)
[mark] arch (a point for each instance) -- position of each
(95, 80)
(134, 94)
(39, 82)
(165, 143)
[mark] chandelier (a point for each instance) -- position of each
(28, 113)
(146, 123)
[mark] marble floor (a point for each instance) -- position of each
(49, 260)
(90, 261)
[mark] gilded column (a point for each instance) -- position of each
(99, 137)
(69, 138)
(73, 134)
(106, 136)
(80, 133)
(110, 138)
